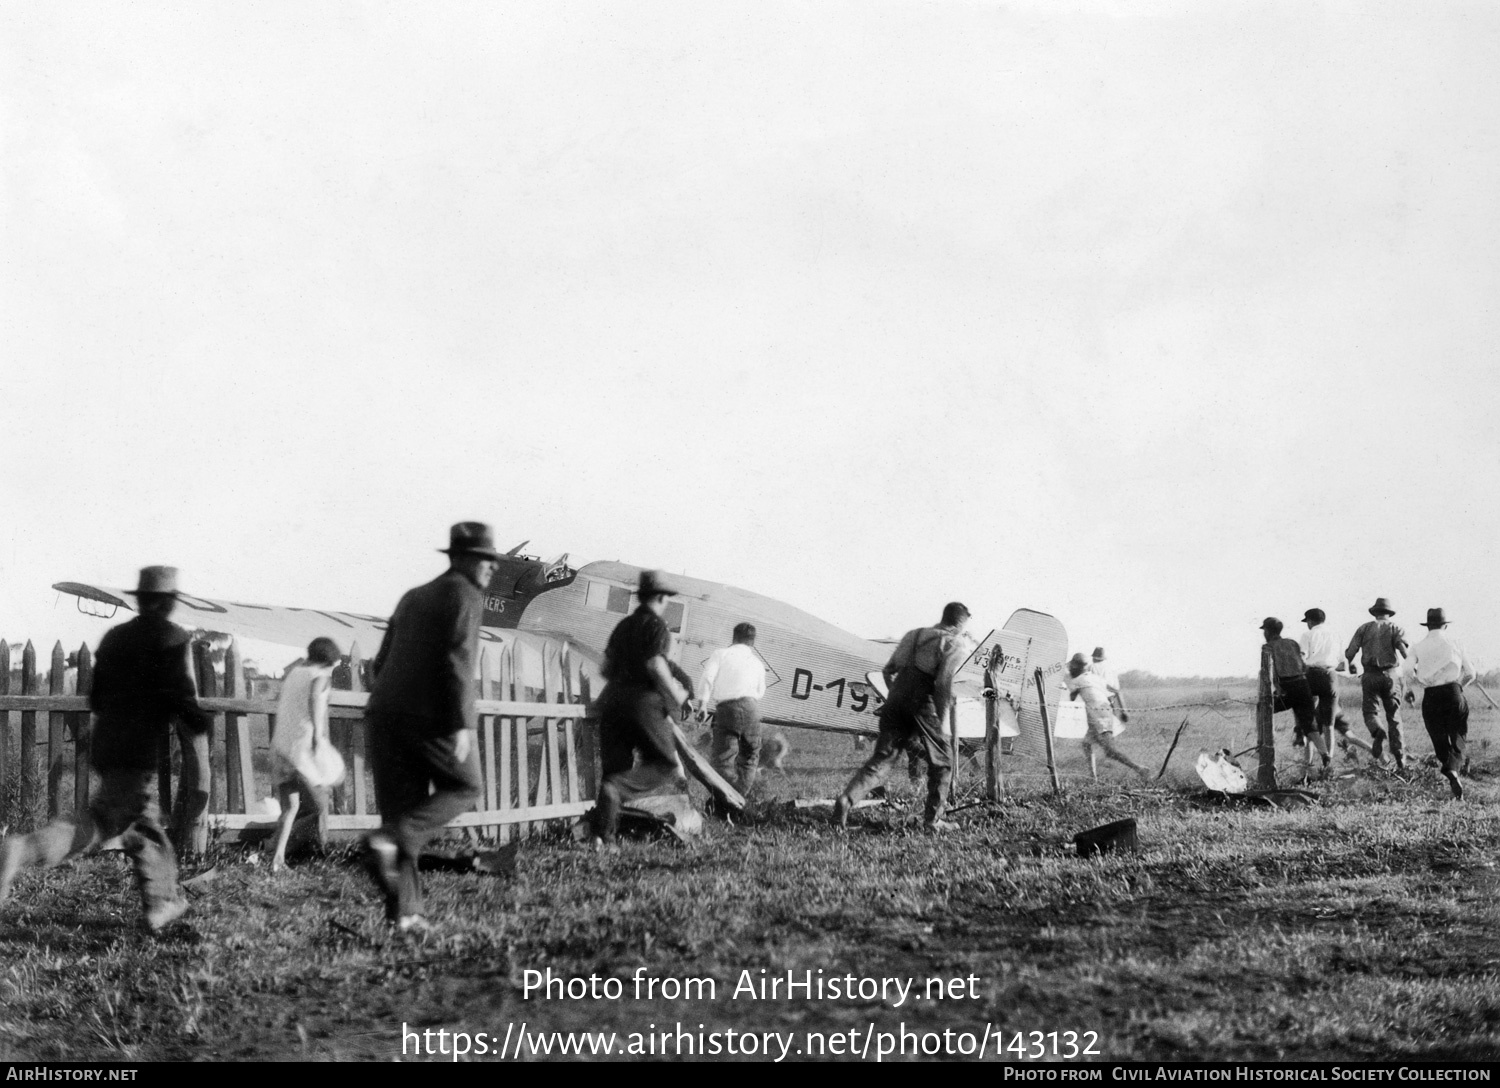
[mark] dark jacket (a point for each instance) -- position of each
(635, 640)
(425, 670)
(142, 684)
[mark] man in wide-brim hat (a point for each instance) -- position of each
(1382, 647)
(422, 717)
(141, 686)
(636, 707)
(1440, 668)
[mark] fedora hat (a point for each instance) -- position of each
(1435, 618)
(654, 582)
(471, 538)
(1271, 623)
(1314, 615)
(161, 581)
(1098, 653)
(1380, 606)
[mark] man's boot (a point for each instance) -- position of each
(1454, 784)
(15, 854)
(937, 798)
(841, 807)
(1377, 747)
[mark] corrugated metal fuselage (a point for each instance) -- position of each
(815, 672)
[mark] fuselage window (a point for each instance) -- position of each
(619, 599)
(597, 596)
(673, 616)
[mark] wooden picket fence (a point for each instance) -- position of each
(538, 760)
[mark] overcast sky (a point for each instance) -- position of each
(1158, 317)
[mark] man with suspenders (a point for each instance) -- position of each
(919, 676)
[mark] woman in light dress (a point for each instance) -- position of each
(304, 763)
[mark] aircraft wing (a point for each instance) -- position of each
(537, 660)
(282, 625)
(578, 648)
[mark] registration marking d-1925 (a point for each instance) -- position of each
(861, 698)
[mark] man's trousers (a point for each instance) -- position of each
(1325, 699)
(631, 721)
(1381, 688)
(1445, 713)
(901, 729)
(420, 786)
(1296, 696)
(124, 805)
(736, 747)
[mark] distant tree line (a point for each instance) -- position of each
(1140, 678)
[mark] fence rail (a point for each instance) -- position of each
(538, 760)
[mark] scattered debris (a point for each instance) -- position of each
(208, 876)
(1172, 748)
(827, 802)
(1290, 798)
(499, 862)
(670, 812)
(1283, 798)
(1119, 835)
(1221, 773)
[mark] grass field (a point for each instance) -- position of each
(1362, 927)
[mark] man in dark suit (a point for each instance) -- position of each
(422, 718)
(142, 684)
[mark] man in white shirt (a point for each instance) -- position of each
(1442, 669)
(1100, 668)
(732, 684)
(1321, 656)
(1101, 730)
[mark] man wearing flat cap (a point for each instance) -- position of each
(422, 717)
(636, 707)
(1291, 690)
(1440, 668)
(1382, 647)
(142, 684)
(1321, 656)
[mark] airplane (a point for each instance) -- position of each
(555, 621)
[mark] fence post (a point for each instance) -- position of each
(519, 726)
(82, 733)
(340, 733)
(28, 738)
(486, 736)
(57, 676)
(588, 742)
(570, 733)
(1041, 692)
(992, 783)
(4, 724)
(357, 735)
(189, 826)
(1265, 734)
(238, 756)
(502, 730)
